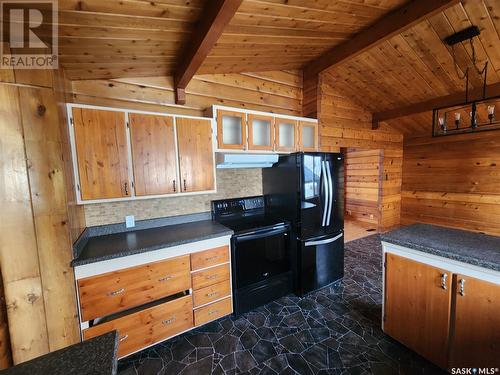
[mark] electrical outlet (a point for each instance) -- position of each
(129, 221)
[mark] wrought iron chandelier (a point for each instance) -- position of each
(471, 115)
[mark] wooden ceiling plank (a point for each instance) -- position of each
(448, 100)
(390, 25)
(218, 15)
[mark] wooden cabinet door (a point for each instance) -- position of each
(308, 136)
(286, 134)
(102, 153)
(231, 130)
(417, 307)
(153, 154)
(475, 323)
(195, 154)
(260, 132)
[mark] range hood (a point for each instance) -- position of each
(245, 160)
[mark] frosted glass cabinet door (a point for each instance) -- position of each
(260, 132)
(286, 134)
(231, 130)
(308, 136)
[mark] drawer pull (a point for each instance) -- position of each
(123, 338)
(209, 259)
(168, 321)
(210, 277)
(213, 294)
(116, 292)
(213, 312)
(165, 278)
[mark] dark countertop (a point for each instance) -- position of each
(117, 245)
(463, 246)
(90, 357)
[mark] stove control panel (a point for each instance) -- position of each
(232, 206)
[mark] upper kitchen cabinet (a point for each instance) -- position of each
(196, 159)
(286, 134)
(100, 140)
(308, 136)
(231, 130)
(260, 132)
(153, 154)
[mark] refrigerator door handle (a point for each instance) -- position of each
(324, 242)
(330, 189)
(326, 192)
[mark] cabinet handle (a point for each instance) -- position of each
(213, 294)
(213, 312)
(168, 321)
(185, 186)
(175, 187)
(165, 278)
(116, 292)
(123, 338)
(125, 185)
(209, 259)
(444, 276)
(210, 277)
(462, 287)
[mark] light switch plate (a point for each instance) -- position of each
(129, 221)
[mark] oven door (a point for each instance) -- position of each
(260, 255)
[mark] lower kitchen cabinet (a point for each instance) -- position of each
(417, 307)
(449, 318)
(476, 323)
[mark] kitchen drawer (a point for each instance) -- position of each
(202, 279)
(213, 311)
(120, 290)
(148, 326)
(209, 258)
(211, 293)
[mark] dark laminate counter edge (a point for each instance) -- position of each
(116, 245)
(466, 247)
(90, 357)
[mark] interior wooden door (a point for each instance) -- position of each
(195, 154)
(260, 132)
(476, 323)
(286, 134)
(308, 136)
(102, 153)
(153, 154)
(417, 307)
(231, 130)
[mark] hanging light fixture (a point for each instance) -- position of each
(467, 116)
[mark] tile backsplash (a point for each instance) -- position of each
(231, 183)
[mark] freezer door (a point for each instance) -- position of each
(320, 263)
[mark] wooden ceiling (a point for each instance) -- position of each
(416, 66)
(120, 38)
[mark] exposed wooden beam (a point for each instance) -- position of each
(388, 26)
(428, 105)
(216, 16)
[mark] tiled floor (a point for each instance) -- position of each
(332, 331)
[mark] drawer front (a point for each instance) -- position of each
(148, 326)
(211, 293)
(202, 279)
(213, 311)
(209, 258)
(117, 291)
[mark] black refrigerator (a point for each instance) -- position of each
(307, 189)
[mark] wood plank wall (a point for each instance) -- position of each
(35, 239)
(390, 189)
(279, 92)
(453, 181)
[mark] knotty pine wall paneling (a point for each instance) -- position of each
(35, 236)
(453, 181)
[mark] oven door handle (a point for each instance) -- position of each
(324, 242)
(260, 234)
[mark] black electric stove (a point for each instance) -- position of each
(260, 251)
